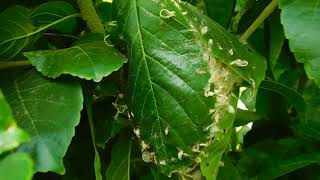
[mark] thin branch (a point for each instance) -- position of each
(89, 15)
(12, 64)
(260, 19)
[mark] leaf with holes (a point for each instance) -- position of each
(89, 60)
(180, 79)
(48, 110)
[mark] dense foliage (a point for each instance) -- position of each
(160, 89)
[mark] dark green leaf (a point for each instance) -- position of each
(220, 10)
(290, 94)
(88, 60)
(119, 168)
(53, 11)
(300, 20)
(11, 136)
(310, 126)
(276, 38)
(271, 159)
(15, 30)
(17, 166)
(48, 110)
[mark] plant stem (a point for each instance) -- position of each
(10, 64)
(89, 15)
(260, 19)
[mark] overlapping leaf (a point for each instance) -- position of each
(300, 20)
(10, 135)
(89, 60)
(169, 72)
(119, 168)
(48, 110)
(17, 166)
(15, 23)
(220, 10)
(53, 11)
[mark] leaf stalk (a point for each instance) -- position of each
(12, 64)
(89, 15)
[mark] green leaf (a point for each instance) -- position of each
(17, 30)
(220, 10)
(211, 162)
(228, 49)
(15, 23)
(271, 159)
(299, 19)
(291, 95)
(89, 104)
(48, 110)
(88, 60)
(155, 175)
(10, 135)
(276, 38)
(172, 69)
(17, 166)
(310, 125)
(53, 11)
(119, 168)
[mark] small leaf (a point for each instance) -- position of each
(119, 168)
(15, 23)
(17, 166)
(48, 110)
(88, 60)
(52, 11)
(300, 20)
(11, 136)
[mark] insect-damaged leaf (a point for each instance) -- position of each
(88, 60)
(48, 110)
(175, 65)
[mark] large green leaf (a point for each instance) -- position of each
(300, 20)
(52, 11)
(119, 167)
(14, 22)
(10, 135)
(173, 67)
(48, 110)
(88, 60)
(17, 166)
(220, 10)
